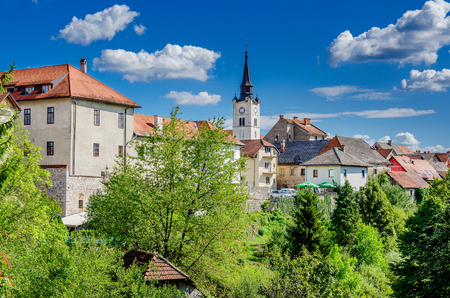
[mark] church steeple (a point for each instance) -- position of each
(246, 86)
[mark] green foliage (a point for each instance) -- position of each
(345, 219)
(287, 206)
(6, 77)
(181, 193)
(348, 279)
(425, 247)
(395, 194)
(326, 206)
(375, 208)
(375, 282)
(308, 231)
(440, 189)
(420, 194)
(369, 248)
(265, 204)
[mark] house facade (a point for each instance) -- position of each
(294, 130)
(81, 124)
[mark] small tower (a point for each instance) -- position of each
(246, 112)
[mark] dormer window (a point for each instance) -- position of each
(29, 89)
(46, 88)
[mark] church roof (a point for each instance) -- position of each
(246, 77)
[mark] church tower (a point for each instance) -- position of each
(246, 119)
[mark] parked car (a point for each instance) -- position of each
(276, 194)
(288, 192)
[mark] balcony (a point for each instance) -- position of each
(269, 155)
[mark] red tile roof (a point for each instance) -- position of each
(408, 180)
(67, 81)
(158, 268)
(384, 152)
(252, 147)
(308, 127)
(418, 166)
(405, 149)
(144, 124)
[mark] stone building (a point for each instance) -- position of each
(81, 124)
(294, 130)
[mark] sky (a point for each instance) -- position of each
(375, 70)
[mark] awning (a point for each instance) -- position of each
(75, 220)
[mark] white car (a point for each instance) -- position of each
(276, 194)
(288, 192)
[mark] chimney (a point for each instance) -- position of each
(282, 146)
(307, 121)
(83, 65)
(281, 116)
(295, 118)
(342, 147)
(390, 142)
(158, 122)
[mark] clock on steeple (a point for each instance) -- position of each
(246, 118)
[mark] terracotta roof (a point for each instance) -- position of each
(408, 180)
(404, 149)
(418, 166)
(144, 124)
(309, 128)
(252, 147)
(357, 148)
(444, 157)
(384, 152)
(335, 156)
(158, 268)
(442, 173)
(298, 152)
(67, 81)
(398, 149)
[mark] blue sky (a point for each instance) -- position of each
(370, 69)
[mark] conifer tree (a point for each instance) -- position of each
(344, 221)
(308, 231)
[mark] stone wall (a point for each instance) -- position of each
(69, 190)
(286, 180)
(258, 196)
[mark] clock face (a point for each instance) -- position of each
(255, 110)
(242, 110)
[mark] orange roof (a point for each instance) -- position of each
(308, 127)
(252, 147)
(418, 166)
(384, 152)
(405, 149)
(408, 180)
(144, 124)
(68, 81)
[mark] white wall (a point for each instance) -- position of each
(354, 175)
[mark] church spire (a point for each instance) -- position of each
(246, 86)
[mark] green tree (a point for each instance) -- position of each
(420, 194)
(424, 270)
(375, 208)
(180, 197)
(6, 77)
(345, 218)
(308, 231)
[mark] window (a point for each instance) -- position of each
(302, 172)
(120, 150)
(363, 173)
(315, 138)
(267, 180)
(375, 171)
(255, 134)
(96, 149)
(242, 121)
(255, 122)
(281, 172)
(276, 138)
(267, 149)
(10, 90)
(96, 117)
(330, 173)
(316, 173)
(29, 89)
(50, 148)
(46, 88)
(80, 204)
(291, 172)
(267, 165)
(50, 115)
(323, 138)
(289, 136)
(121, 120)
(27, 117)
(345, 173)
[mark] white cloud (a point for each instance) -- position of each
(335, 92)
(228, 124)
(139, 29)
(172, 62)
(101, 25)
(187, 98)
(415, 38)
(365, 138)
(427, 80)
(437, 148)
(384, 139)
(35, 1)
(408, 139)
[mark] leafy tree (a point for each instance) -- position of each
(308, 231)
(375, 208)
(420, 194)
(6, 77)
(179, 197)
(425, 269)
(345, 219)
(395, 194)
